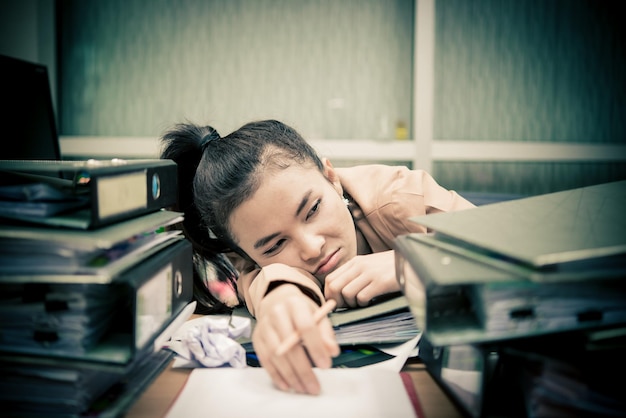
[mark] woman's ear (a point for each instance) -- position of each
(331, 175)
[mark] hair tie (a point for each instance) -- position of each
(211, 136)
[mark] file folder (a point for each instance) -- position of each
(387, 320)
(62, 388)
(114, 189)
(540, 232)
(146, 297)
(474, 378)
(58, 255)
(468, 289)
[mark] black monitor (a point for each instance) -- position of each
(27, 124)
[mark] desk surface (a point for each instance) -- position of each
(157, 398)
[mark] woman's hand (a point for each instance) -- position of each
(362, 278)
(282, 312)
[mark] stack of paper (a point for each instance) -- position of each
(93, 271)
(388, 321)
(56, 319)
(70, 255)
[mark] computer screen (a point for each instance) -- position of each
(28, 127)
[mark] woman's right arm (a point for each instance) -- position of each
(283, 300)
(283, 311)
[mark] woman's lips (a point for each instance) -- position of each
(329, 264)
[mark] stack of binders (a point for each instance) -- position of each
(522, 304)
(94, 276)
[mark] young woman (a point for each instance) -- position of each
(297, 231)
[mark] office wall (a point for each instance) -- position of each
(332, 69)
(531, 70)
(540, 71)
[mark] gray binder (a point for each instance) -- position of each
(58, 255)
(572, 225)
(496, 272)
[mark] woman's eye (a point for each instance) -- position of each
(275, 248)
(314, 209)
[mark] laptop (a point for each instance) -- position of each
(29, 130)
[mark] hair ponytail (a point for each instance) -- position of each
(184, 144)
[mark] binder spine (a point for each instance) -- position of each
(124, 195)
(117, 189)
(165, 289)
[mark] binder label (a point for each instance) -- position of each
(122, 193)
(154, 305)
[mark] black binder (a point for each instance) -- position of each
(105, 323)
(110, 190)
(66, 388)
(539, 234)
(473, 378)
(561, 374)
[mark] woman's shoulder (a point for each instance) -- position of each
(375, 186)
(372, 169)
(371, 174)
(394, 194)
(374, 178)
(386, 199)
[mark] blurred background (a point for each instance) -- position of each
(501, 96)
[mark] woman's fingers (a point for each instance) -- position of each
(294, 369)
(359, 280)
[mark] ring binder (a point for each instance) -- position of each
(518, 275)
(59, 255)
(56, 321)
(116, 189)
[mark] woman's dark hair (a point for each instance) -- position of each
(216, 175)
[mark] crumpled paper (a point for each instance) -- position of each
(209, 341)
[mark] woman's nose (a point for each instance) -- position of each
(311, 246)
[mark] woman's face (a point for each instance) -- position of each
(297, 217)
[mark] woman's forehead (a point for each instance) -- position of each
(280, 193)
(292, 176)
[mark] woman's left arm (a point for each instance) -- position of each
(361, 279)
(397, 195)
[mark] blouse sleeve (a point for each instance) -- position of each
(254, 282)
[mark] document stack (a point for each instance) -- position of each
(522, 304)
(94, 275)
(386, 320)
(359, 331)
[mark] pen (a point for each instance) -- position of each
(294, 338)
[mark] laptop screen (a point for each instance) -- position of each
(28, 125)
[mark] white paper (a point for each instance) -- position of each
(249, 392)
(401, 353)
(210, 341)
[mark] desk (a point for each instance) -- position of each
(156, 400)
